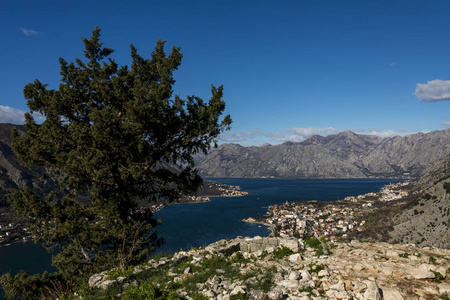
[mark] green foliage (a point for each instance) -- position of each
(265, 279)
(118, 136)
(444, 296)
(36, 286)
(313, 268)
(239, 258)
(313, 242)
(404, 255)
(317, 244)
(199, 296)
(148, 291)
(239, 296)
(432, 260)
(119, 272)
(308, 290)
(214, 262)
(437, 276)
(281, 252)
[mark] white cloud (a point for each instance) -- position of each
(28, 32)
(446, 124)
(393, 63)
(308, 131)
(15, 116)
(434, 90)
(234, 137)
(11, 115)
(382, 133)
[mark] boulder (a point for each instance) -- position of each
(295, 258)
(372, 292)
(392, 294)
(421, 272)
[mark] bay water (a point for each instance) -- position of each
(192, 225)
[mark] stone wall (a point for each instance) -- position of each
(257, 244)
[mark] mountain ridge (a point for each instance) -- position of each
(341, 155)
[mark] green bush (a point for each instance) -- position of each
(148, 291)
(239, 296)
(432, 260)
(313, 242)
(438, 276)
(309, 290)
(265, 282)
(281, 252)
(214, 262)
(313, 268)
(239, 258)
(120, 272)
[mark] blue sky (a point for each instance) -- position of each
(290, 69)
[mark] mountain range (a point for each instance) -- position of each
(342, 155)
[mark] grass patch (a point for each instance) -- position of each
(438, 276)
(308, 290)
(281, 252)
(148, 291)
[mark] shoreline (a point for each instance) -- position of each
(270, 227)
(219, 190)
(30, 239)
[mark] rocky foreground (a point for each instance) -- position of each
(282, 268)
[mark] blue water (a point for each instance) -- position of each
(193, 225)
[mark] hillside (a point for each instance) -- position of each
(342, 155)
(427, 221)
(12, 174)
(279, 268)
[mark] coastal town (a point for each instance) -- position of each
(334, 220)
(12, 231)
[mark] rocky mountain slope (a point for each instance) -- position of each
(427, 221)
(343, 155)
(279, 268)
(12, 174)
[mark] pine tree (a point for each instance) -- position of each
(118, 135)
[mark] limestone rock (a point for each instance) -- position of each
(422, 272)
(392, 294)
(372, 292)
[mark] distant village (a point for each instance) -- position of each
(333, 220)
(12, 232)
